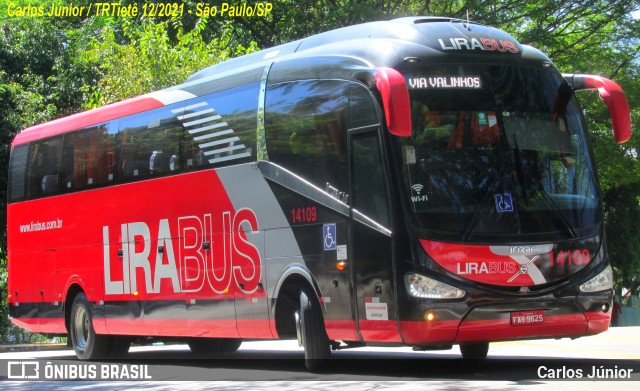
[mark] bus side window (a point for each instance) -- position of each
(362, 112)
(219, 128)
(44, 161)
(305, 126)
(88, 159)
(18, 173)
(149, 145)
(370, 191)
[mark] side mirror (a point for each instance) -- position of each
(613, 97)
(395, 99)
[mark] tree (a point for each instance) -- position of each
(39, 74)
(144, 59)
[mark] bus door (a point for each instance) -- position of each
(371, 241)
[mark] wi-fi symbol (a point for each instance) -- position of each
(417, 188)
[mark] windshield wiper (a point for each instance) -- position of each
(468, 230)
(519, 171)
(558, 215)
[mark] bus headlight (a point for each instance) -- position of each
(601, 282)
(424, 287)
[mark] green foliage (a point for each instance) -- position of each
(144, 59)
(39, 80)
(623, 212)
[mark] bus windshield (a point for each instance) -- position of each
(496, 152)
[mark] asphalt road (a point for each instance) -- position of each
(547, 364)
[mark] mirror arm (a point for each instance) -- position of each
(612, 95)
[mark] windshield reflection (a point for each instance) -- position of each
(506, 158)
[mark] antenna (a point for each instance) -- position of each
(468, 25)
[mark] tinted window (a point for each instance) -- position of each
(498, 150)
(220, 128)
(214, 130)
(369, 188)
(44, 161)
(18, 170)
(362, 112)
(88, 158)
(306, 130)
(149, 144)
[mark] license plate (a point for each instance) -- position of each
(523, 318)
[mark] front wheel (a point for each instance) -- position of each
(87, 344)
(474, 351)
(312, 334)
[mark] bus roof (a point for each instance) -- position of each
(365, 46)
(435, 33)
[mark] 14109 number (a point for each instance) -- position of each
(304, 215)
(570, 258)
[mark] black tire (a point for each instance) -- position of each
(87, 344)
(207, 347)
(119, 346)
(317, 349)
(474, 351)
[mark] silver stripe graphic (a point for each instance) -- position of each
(212, 135)
(195, 114)
(203, 120)
(195, 106)
(198, 130)
(218, 142)
(223, 150)
(232, 157)
(212, 121)
(168, 97)
(369, 222)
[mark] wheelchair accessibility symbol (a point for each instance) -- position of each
(504, 203)
(329, 236)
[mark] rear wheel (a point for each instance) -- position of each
(87, 344)
(312, 334)
(207, 347)
(474, 351)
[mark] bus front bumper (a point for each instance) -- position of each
(492, 323)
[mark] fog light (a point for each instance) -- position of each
(605, 307)
(430, 316)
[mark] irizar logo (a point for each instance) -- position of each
(485, 44)
(418, 196)
(522, 249)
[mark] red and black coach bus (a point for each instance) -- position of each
(422, 182)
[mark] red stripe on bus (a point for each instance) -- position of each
(41, 325)
(87, 118)
(207, 328)
(379, 330)
(502, 330)
(570, 325)
(598, 322)
(341, 330)
(423, 332)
